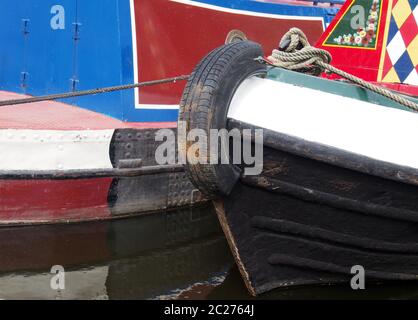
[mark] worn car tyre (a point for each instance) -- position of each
(205, 103)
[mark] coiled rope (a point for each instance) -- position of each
(297, 54)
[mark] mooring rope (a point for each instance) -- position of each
(297, 54)
(91, 91)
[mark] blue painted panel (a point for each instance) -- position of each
(49, 52)
(94, 50)
(12, 39)
(98, 60)
(127, 64)
(105, 58)
(273, 8)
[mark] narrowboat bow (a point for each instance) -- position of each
(339, 182)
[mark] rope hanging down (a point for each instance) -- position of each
(297, 54)
(91, 92)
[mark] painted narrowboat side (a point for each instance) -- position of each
(72, 45)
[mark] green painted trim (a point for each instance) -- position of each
(340, 88)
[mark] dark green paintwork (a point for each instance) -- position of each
(343, 28)
(340, 88)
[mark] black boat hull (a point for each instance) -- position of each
(304, 221)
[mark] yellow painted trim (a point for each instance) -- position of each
(385, 39)
(351, 47)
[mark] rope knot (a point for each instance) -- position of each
(293, 40)
(296, 53)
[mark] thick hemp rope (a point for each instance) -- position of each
(297, 54)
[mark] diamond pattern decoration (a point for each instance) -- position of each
(396, 48)
(413, 51)
(412, 78)
(401, 57)
(393, 29)
(401, 11)
(391, 76)
(404, 66)
(409, 24)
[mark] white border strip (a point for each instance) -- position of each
(135, 63)
(134, 48)
(159, 106)
(245, 12)
(25, 149)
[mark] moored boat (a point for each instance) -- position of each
(93, 157)
(338, 181)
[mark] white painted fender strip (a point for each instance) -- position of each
(246, 12)
(55, 150)
(378, 132)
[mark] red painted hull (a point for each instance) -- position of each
(171, 38)
(37, 201)
(186, 33)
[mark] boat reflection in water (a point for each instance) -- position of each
(173, 254)
(168, 255)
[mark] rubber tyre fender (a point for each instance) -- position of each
(205, 103)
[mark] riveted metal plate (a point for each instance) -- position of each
(134, 144)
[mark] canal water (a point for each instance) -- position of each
(178, 254)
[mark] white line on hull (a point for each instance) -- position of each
(246, 12)
(55, 149)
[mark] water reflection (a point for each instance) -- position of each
(164, 255)
(169, 255)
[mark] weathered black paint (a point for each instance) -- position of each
(313, 214)
(333, 156)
